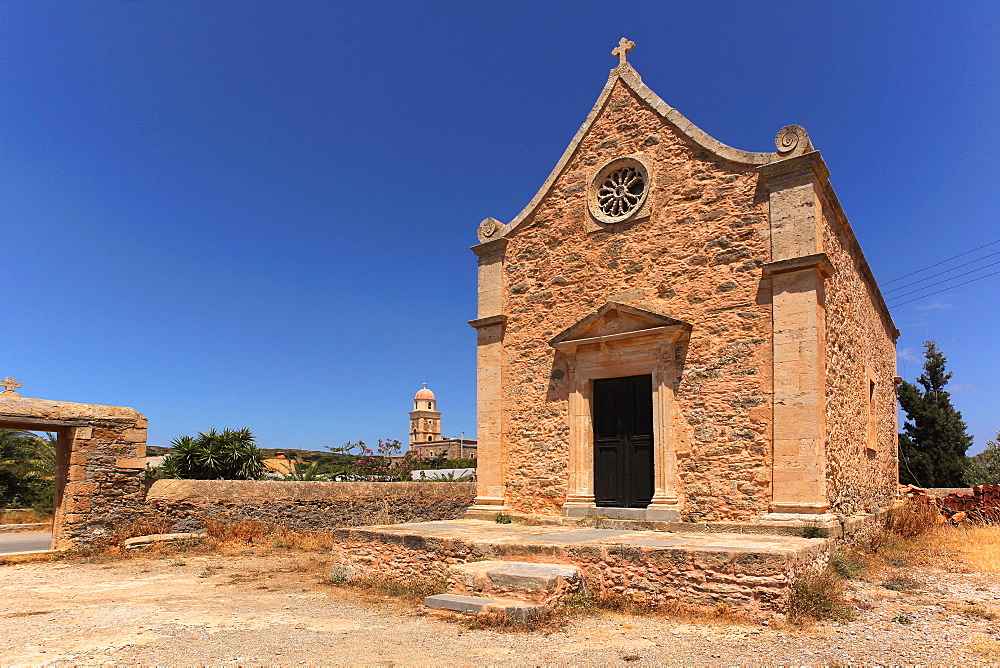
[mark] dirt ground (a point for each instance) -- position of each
(267, 606)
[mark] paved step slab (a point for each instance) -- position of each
(521, 610)
(516, 574)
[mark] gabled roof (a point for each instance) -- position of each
(791, 141)
(629, 318)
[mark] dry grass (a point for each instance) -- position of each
(263, 535)
(413, 590)
(24, 517)
(977, 547)
(223, 535)
(977, 611)
(911, 520)
(817, 597)
(888, 553)
(547, 621)
(676, 610)
(987, 647)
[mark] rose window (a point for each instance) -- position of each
(620, 192)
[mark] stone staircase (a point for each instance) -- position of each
(514, 588)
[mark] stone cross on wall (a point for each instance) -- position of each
(624, 46)
(10, 384)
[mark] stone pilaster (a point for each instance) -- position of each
(665, 505)
(490, 489)
(797, 275)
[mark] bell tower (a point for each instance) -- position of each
(425, 420)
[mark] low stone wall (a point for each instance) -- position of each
(304, 506)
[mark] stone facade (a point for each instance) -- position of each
(734, 281)
(100, 460)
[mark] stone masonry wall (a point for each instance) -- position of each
(747, 579)
(697, 259)
(185, 505)
(861, 424)
(100, 461)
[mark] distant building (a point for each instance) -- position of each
(425, 420)
(425, 431)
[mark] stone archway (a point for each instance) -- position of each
(100, 461)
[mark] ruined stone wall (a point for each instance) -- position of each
(185, 505)
(696, 259)
(860, 392)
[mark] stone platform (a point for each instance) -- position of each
(743, 570)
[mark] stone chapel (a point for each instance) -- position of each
(676, 330)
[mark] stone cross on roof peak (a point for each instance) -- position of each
(624, 46)
(425, 384)
(10, 384)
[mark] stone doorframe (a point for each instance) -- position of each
(100, 462)
(656, 350)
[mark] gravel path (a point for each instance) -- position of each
(253, 607)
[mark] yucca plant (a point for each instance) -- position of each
(229, 455)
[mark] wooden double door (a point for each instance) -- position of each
(623, 441)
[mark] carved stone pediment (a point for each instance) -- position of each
(615, 320)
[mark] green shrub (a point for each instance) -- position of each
(815, 531)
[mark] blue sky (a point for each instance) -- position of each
(258, 214)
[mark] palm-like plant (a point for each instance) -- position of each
(27, 469)
(229, 455)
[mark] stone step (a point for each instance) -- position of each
(538, 583)
(521, 610)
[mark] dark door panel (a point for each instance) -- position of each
(623, 441)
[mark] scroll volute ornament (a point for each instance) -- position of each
(490, 229)
(792, 140)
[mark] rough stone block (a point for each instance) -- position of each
(716, 561)
(163, 539)
(533, 576)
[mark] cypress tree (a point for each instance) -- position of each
(933, 443)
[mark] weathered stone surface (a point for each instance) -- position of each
(99, 465)
(550, 584)
(520, 610)
(306, 506)
(748, 571)
(163, 539)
